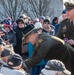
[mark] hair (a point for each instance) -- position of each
(46, 20)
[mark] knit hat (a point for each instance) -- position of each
(19, 20)
(8, 23)
(41, 17)
(38, 25)
(5, 53)
(14, 60)
(46, 20)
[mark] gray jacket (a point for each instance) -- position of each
(10, 71)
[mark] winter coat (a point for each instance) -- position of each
(10, 36)
(19, 36)
(66, 30)
(50, 47)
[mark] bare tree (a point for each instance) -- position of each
(33, 8)
(10, 8)
(37, 8)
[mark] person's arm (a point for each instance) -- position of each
(14, 40)
(38, 55)
(59, 33)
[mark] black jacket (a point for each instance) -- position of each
(19, 36)
(50, 47)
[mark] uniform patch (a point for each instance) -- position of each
(64, 27)
(39, 41)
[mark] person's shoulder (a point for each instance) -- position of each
(20, 72)
(45, 36)
(12, 32)
(2, 62)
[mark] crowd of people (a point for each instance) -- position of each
(39, 46)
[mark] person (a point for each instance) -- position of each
(36, 20)
(47, 47)
(9, 36)
(55, 67)
(25, 18)
(66, 29)
(4, 56)
(37, 68)
(14, 63)
(47, 27)
(19, 35)
(41, 19)
(2, 44)
(62, 17)
(55, 21)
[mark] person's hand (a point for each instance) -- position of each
(70, 42)
(23, 66)
(1, 33)
(7, 42)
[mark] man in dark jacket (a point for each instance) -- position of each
(47, 47)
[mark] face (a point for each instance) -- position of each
(64, 16)
(7, 28)
(32, 38)
(26, 20)
(70, 14)
(4, 58)
(41, 21)
(21, 24)
(46, 26)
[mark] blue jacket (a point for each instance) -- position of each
(30, 52)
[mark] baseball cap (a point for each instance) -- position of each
(5, 53)
(55, 65)
(69, 6)
(14, 60)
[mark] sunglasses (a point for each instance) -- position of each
(7, 26)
